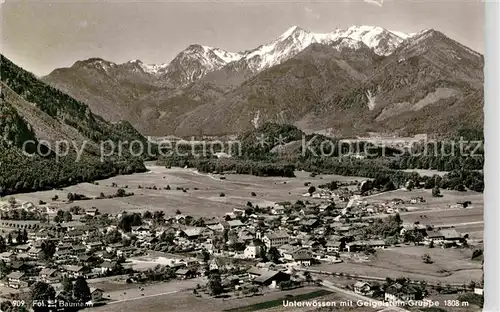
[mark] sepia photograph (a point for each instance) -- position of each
(242, 156)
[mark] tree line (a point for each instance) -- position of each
(384, 165)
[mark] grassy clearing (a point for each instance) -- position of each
(448, 198)
(185, 301)
(449, 265)
(440, 211)
(202, 202)
(426, 172)
(279, 302)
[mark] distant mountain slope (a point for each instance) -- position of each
(116, 91)
(285, 92)
(195, 62)
(355, 91)
(110, 90)
(32, 111)
(296, 39)
(357, 80)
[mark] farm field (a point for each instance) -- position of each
(119, 290)
(439, 211)
(426, 172)
(445, 216)
(452, 266)
(206, 201)
(448, 197)
(185, 301)
(465, 221)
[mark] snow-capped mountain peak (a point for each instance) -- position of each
(347, 43)
(154, 69)
(402, 35)
(380, 40)
(288, 44)
(208, 52)
(226, 56)
(296, 39)
(189, 65)
(195, 62)
(290, 31)
(198, 60)
(138, 66)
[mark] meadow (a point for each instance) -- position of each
(453, 266)
(202, 197)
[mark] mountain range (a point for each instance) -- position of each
(352, 81)
(37, 119)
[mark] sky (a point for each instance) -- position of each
(43, 35)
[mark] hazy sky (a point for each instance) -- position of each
(41, 35)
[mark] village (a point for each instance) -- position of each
(248, 251)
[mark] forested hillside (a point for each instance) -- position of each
(34, 117)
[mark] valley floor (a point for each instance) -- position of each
(206, 201)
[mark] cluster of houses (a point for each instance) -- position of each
(75, 254)
(443, 237)
(396, 292)
(291, 235)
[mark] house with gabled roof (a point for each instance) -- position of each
(451, 235)
(309, 223)
(278, 209)
(63, 255)
(86, 259)
(73, 271)
(246, 235)
(141, 230)
(324, 207)
(126, 251)
(64, 246)
(96, 294)
(79, 250)
(42, 234)
(311, 244)
(235, 224)
(287, 250)
(402, 293)
(185, 273)
(16, 279)
(271, 278)
(219, 264)
(275, 239)
(254, 272)
(94, 246)
(74, 234)
(23, 248)
(193, 232)
(6, 256)
(107, 266)
(49, 275)
(112, 248)
(433, 235)
(364, 245)
(35, 253)
(107, 256)
(334, 246)
(303, 257)
(216, 227)
(362, 288)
